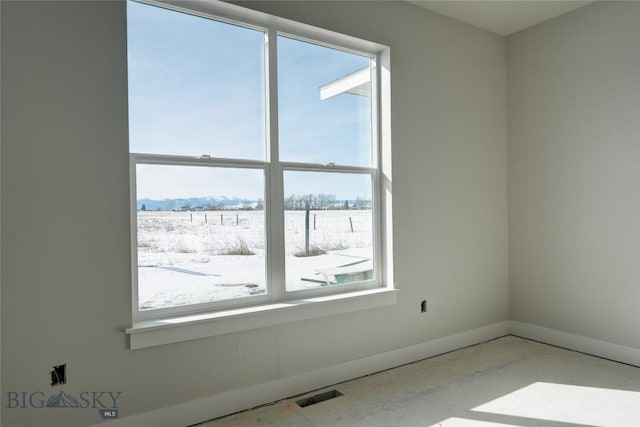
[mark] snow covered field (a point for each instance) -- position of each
(196, 257)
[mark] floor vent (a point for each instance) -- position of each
(312, 400)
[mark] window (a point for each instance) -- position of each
(256, 169)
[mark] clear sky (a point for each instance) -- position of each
(197, 86)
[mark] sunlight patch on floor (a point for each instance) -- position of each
(570, 404)
(465, 422)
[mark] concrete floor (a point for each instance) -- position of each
(505, 382)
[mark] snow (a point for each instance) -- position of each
(183, 257)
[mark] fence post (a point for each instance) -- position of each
(306, 232)
(351, 223)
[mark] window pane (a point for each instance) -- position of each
(328, 229)
(324, 98)
(201, 234)
(196, 86)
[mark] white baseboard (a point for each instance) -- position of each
(579, 343)
(221, 404)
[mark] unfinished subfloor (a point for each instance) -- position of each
(509, 381)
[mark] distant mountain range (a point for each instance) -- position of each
(196, 203)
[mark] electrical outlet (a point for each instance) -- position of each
(59, 375)
(423, 306)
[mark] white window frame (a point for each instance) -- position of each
(278, 306)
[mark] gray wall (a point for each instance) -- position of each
(65, 214)
(574, 175)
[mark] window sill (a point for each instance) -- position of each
(151, 333)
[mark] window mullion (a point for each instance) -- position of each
(275, 191)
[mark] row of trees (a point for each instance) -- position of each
(323, 201)
(295, 202)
